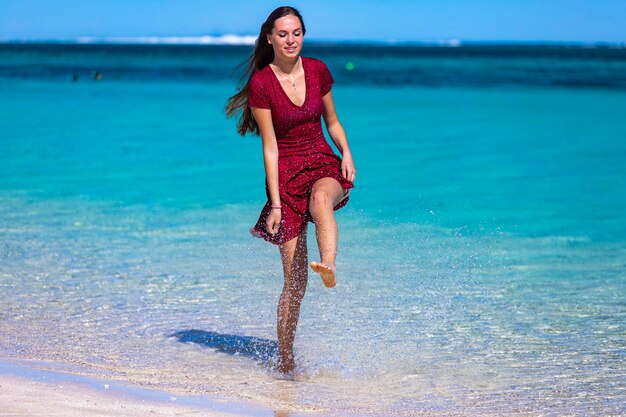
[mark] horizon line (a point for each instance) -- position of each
(232, 39)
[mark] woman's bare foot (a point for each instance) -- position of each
(326, 272)
(286, 366)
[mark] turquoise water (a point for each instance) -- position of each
(482, 258)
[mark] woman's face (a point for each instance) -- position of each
(286, 37)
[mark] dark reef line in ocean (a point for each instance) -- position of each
(473, 65)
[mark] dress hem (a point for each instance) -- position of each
(276, 240)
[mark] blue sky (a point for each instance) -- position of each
(401, 20)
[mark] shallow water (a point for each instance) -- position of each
(482, 255)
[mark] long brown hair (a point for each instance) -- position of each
(263, 54)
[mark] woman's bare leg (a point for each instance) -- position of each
(325, 195)
(294, 257)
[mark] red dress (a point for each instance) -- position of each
(304, 155)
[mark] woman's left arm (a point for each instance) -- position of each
(338, 135)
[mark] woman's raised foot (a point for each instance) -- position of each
(326, 272)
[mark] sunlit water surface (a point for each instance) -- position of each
(482, 258)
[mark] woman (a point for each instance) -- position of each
(283, 101)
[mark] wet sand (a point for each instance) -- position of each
(28, 391)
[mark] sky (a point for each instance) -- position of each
(349, 20)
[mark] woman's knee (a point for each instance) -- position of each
(320, 200)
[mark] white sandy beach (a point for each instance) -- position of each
(30, 388)
(26, 397)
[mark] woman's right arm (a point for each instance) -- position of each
(263, 118)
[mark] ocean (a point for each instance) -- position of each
(482, 255)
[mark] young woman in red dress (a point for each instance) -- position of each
(283, 101)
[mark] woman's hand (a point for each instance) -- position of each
(273, 221)
(347, 167)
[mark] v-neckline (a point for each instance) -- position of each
(306, 87)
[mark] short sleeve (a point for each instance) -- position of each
(326, 79)
(257, 95)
